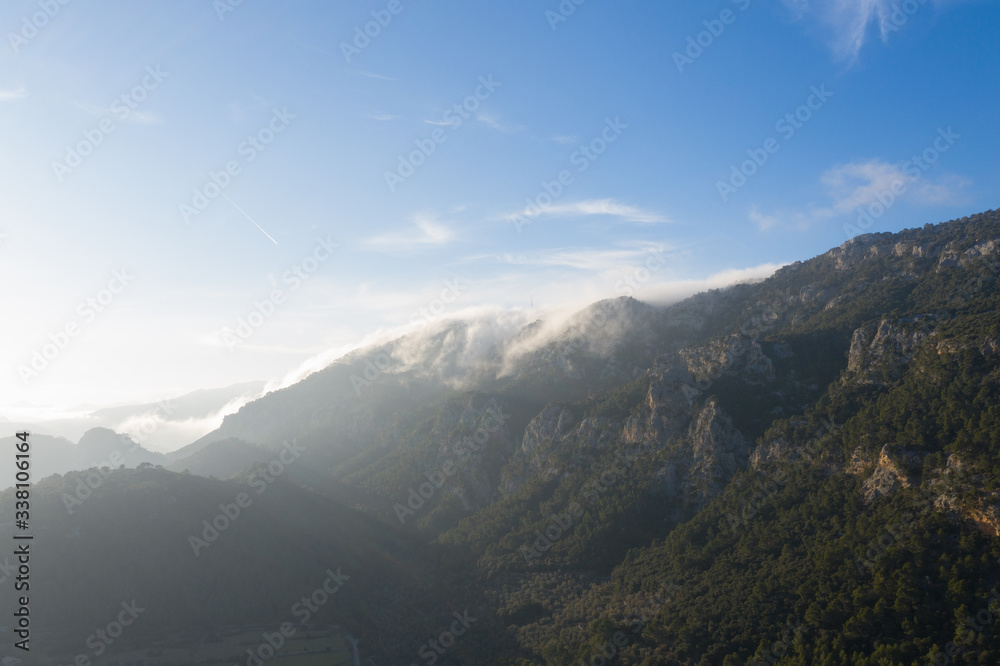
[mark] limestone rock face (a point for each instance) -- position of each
(734, 354)
(696, 445)
(884, 347)
(474, 435)
(889, 475)
(717, 451)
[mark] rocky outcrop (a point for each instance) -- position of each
(553, 442)
(473, 435)
(698, 447)
(735, 354)
(881, 350)
(717, 451)
(891, 473)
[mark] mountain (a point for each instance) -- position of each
(800, 470)
(197, 557)
(164, 425)
(194, 405)
(99, 447)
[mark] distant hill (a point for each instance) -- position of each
(162, 426)
(99, 447)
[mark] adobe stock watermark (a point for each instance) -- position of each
(248, 149)
(786, 126)
(303, 611)
(373, 369)
(450, 119)
(591, 491)
(892, 535)
(901, 13)
(580, 342)
(381, 19)
(714, 28)
(88, 310)
(914, 168)
(612, 648)
(582, 158)
(419, 496)
(230, 513)
(976, 625)
(432, 650)
(121, 108)
(780, 647)
(565, 9)
(265, 308)
(768, 483)
(437, 307)
(634, 281)
(223, 7)
(103, 638)
(32, 25)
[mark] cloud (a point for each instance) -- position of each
(384, 116)
(429, 232)
(850, 22)
(608, 207)
(144, 118)
(12, 95)
(564, 139)
(586, 259)
(856, 185)
(494, 123)
(443, 123)
(763, 222)
(485, 335)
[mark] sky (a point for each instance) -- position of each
(198, 193)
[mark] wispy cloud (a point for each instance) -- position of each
(855, 185)
(443, 123)
(12, 95)
(144, 118)
(494, 123)
(851, 22)
(607, 207)
(429, 231)
(564, 139)
(384, 116)
(585, 259)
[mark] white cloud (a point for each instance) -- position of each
(564, 139)
(856, 185)
(384, 116)
(608, 207)
(12, 95)
(851, 22)
(595, 260)
(764, 222)
(429, 231)
(489, 324)
(859, 183)
(144, 118)
(443, 123)
(494, 123)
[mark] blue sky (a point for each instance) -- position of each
(161, 95)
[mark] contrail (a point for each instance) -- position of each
(249, 218)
